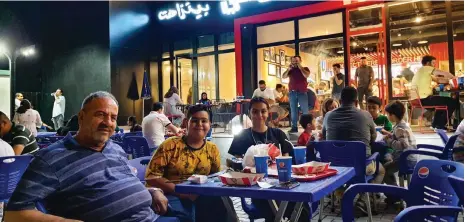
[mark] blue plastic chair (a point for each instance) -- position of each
(141, 165)
(348, 154)
(41, 207)
(442, 135)
(405, 170)
(417, 212)
(138, 146)
(457, 185)
(11, 171)
(429, 186)
(209, 134)
(138, 133)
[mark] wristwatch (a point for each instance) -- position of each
(155, 189)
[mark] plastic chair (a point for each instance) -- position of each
(442, 135)
(41, 207)
(415, 102)
(429, 186)
(141, 165)
(139, 133)
(417, 212)
(251, 210)
(446, 154)
(348, 154)
(11, 171)
(138, 146)
(49, 139)
(457, 185)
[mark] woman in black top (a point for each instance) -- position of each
(132, 122)
(260, 133)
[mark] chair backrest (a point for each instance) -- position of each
(49, 139)
(139, 133)
(141, 165)
(449, 148)
(430, 184)
(11, 171)
(344, 153)
(138, 145)
(457, 185)
(414, 97)
(442, 135)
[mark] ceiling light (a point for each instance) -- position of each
(402, 2)
(455, 35)
(340, 52)
(354, 44)
(397, 44)
(398, 34)
(418, 19)
(419, 32)
(423, 42)
(366, 48)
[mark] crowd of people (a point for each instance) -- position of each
(86, 176)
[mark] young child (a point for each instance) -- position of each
(308, 123)
(374, 104)
(400, 139)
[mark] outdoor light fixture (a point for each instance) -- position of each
(340, 52)
(423, 42)
(418, 19)
(398, 34)
(28, 51)
(397, 44)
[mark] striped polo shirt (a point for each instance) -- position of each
(20, 135)
(79, 183)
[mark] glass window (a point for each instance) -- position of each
(227, 76)
(272, 62)
(319, 57)
(206, 43)
(154, 80)
(166, 51)
(275, 33)
(182, 47)
(166, 69)
(207, 77)
(226, 41)
(365, 17)
(184, 76)
(321, 25)
(417, 29)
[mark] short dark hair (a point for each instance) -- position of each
(374, 100)
(426, 59)
(396, 108)
(348, 95)
(24, 106)
(197, 108)
(61, 90)
(305, 119)
(132, 119)
(279, 86)
(3, 116)
(96, 95)
(298, 56)
(261, 82)
(337, 65)
(258, 100)
(363, 57)
(157, 106)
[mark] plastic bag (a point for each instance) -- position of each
(261, 150)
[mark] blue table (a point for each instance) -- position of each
(307, 192)
(43, 134)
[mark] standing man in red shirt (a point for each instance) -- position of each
(297, 89)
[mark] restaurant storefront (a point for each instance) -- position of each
(392, 36)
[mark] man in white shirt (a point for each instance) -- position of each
(18, 99)
(154, 124)
(58, 113)
(270, 96)
(6, 149)
(264, 92)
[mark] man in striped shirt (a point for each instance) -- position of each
(18, 136)
(86, 177)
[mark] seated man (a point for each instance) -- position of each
(18, 136)
(154, 124)
(279, 98)
(269, 95)
(85, 177)
(422, 82)
(348, 123)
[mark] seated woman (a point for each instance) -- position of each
(204, 99)
(170, 100)
(132, 122)
(177, 158)
(328, 105)
(260, 133)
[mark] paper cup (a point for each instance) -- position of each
(284, 166)
(300, 154)
(261, 164)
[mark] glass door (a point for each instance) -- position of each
(184, 78)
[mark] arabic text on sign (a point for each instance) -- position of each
(184, 9)
(230, 7)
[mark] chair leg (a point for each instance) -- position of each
(420, 120)
(401, 181)
(320, 213)
(374, 203)
(332, 202)
(409, 178)
(370, 216)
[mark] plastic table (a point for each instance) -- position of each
(44, 134)
(307, 192)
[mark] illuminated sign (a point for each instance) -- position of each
(184, 9)
(230, 7)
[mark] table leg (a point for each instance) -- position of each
(296, 212)
(274, 206)
(228, 204)
(281, 211)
